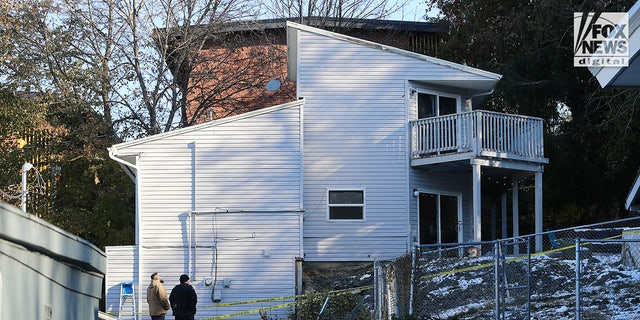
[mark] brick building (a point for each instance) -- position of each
(230, 70)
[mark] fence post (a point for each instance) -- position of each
(496, 277)
(377, 288)
(578, 279)
(413, 278)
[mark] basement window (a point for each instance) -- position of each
(345, 204)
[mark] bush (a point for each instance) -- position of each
(340, 305)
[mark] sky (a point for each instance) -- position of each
(414, 11)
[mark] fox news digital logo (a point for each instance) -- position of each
(601, 39)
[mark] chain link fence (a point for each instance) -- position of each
(588, 272)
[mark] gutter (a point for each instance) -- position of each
(482, 94)
(469, 101)
(128, 167)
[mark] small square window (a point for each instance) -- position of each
(346, 205)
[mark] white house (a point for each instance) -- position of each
(626, 77)
(633, 199)
(383, 149)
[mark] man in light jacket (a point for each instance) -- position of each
(157, 298)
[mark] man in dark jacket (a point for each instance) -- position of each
(183, 300)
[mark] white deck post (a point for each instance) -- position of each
(477, 219)
(503, 197)
(515, 213)
(538, 210)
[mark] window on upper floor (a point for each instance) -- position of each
(345, 205)
(433, 105)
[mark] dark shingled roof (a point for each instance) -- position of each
(331, 23)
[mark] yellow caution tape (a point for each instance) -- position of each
(491, 264)
(279, 306)
(332, 293)
(252, 311)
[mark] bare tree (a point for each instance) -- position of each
(336, 9)
(114, 57)
(150, 66)
(130, 48)
(238, 59)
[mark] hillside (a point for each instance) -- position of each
(609, 289)
(608, 286)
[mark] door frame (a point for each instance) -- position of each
(438, 95)
(460, 227)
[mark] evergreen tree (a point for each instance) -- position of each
(591, 133)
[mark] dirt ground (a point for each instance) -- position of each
(319, 277)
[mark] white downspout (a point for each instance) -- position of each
(192, 253)
(486, 93)
(189, 234)
(134, 176)
(469, 101)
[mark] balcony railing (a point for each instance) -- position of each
(480, 133)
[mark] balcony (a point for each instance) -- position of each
(477, 134)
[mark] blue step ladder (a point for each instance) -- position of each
(127, 307)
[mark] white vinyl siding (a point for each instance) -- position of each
(255, 252)
(120, 268)
(356, 119)
(253, 164)
(355, 136)
(222, 200)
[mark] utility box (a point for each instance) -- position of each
(217, 292)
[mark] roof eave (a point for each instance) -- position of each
(633, 199)
(292, 44)
(618, 77)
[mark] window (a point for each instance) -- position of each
(346, 204)
(432, 105)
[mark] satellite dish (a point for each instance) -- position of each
(273, 85)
